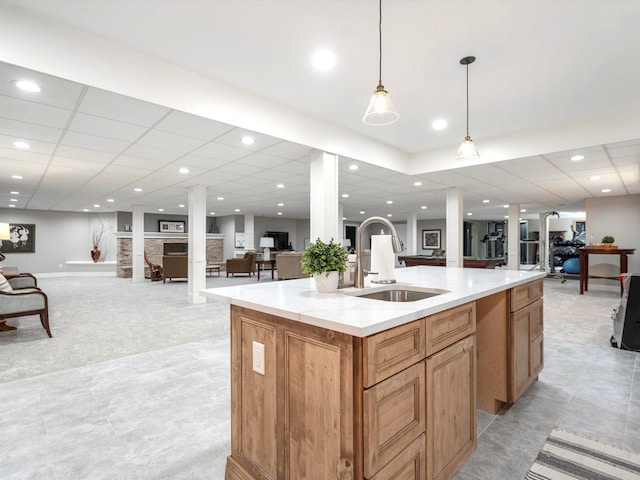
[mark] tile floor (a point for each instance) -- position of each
(164, 414)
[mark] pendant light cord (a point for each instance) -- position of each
(380, 44)
(467, 99)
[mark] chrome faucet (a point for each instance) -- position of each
(395, 242)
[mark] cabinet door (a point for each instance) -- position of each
(537, 346)
(394, 416)
(520, 353)
(451, 408)
(409, 465)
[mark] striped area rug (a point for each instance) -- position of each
(566, 456)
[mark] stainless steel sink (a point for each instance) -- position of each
(399, 294)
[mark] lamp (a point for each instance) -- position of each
(346, 243)
(467, 150)
(266, 243)
(381, 110)
(5, 234)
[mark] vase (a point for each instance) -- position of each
(327, 282)
(95, 254)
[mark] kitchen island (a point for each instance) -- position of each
(468, 262)
(334, 386)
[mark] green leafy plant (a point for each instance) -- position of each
(320, 257)
(608, 239)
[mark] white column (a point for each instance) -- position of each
(137, 243)
(249, 232)
(197, 243)
(513, 237)
(324, 197)
(454, 227)
(411, 247)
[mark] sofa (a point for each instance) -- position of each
(246, 264)
(175, 265)
(289, 266)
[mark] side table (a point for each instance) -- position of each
(584, 263)
(259, 263)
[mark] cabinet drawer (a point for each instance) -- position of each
(523, 295)
(446, 328)
(393, 350)
(394, 416)
(409, 465)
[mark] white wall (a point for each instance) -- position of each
(620, 218)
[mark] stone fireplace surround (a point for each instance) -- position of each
(154, 247)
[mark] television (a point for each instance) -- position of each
(280, 240)
(175, 248)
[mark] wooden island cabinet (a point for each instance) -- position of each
(358, 401)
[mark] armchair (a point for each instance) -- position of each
(246, 264)
(175, 266)
(21, 302)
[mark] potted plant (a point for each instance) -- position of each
(607, 241)
(325, 262)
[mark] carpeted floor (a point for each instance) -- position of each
(94, 319)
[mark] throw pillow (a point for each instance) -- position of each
(4, 285)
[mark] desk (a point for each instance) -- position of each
(272, 262)
(584, 263)
(468, 262)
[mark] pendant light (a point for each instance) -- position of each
(381, 110)
(467, 150)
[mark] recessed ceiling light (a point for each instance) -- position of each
(17, 177)
(344, 218)
(417, 184)
(85, 209)
(389, 202)
(110, 200)
(594, 177)
(523, 210)
(345, 195)
(161, 209)
(22, 145)
(14, 193)
(137, 189)
(506, 216)
(95, 205)
(605, 190)
(280, 185)
(28, 86)
(486, 201)
(281, 204)
(237, 209)
(247, 140)
(13, 199)
(181, 205)
(212, 213)
(423, 207)
(353, 166)
(469, 214)
(220, 198)
(362, 212)
(506, 206)
(439, 124)
(12, 205)
(389, 215)
(183, 170)
(323, 60)
(577, 158)
(279, 213)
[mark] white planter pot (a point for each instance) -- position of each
(327, 282)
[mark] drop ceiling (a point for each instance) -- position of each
(543, 70)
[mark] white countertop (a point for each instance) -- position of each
(298, 299)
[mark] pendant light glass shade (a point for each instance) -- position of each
(381, 110)
(467, 150)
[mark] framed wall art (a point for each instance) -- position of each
(22, 239)
(167, 226)
(430, 239)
